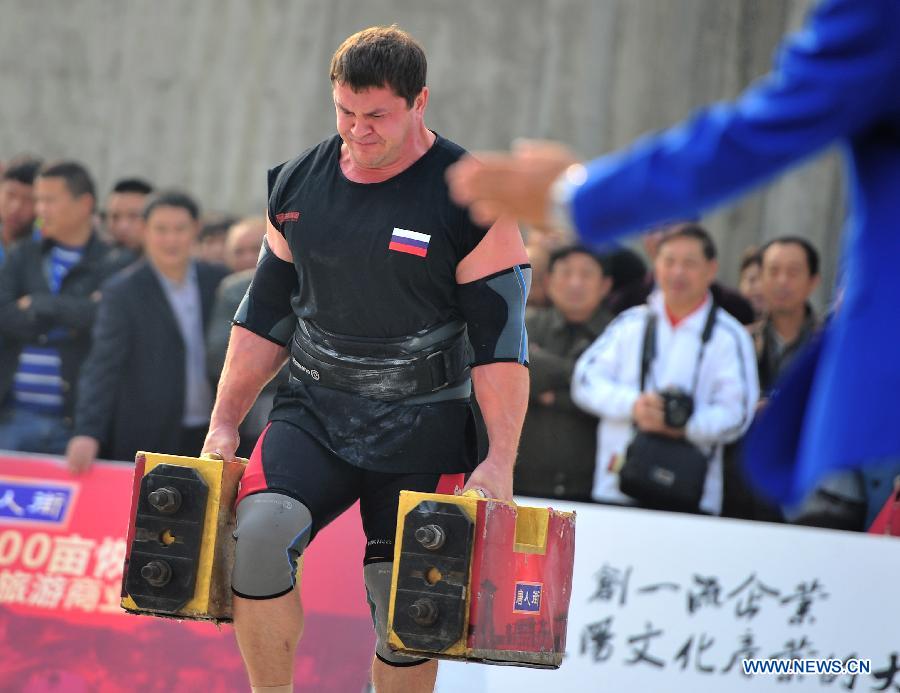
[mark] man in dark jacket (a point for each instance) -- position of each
(17, 202)
(558, 447)
(229, 296)
(790, 275)
(48, 300)
(144, 385)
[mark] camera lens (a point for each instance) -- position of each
(678, 407)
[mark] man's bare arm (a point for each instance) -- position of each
(501, 387)
(502, 393)
(250, 363)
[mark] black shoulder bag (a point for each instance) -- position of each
(661, 472)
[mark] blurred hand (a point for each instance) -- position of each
(548, 398)
(649, 416)
(648, 413)
(494, 477)
(223, 441)
(493, 184)
(24, 302)
(81, 453)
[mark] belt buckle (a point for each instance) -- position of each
(443, 366)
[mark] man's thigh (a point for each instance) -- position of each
(289, 461)
(379, 499)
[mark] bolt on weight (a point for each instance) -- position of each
(157, 573)
(423, 611)
(166, 499)
(431, 537)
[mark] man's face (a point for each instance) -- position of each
(211, 248)
(124, 218)
(169, 237)
(683, 272)
(786, 281)
(16, 208)
(577, 285)
(243, 244)
(60, 212)
(376, 125)
(539, 258)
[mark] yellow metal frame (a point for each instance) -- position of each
(213, 473)
(531, 537)
(531, 530)
(408, 501)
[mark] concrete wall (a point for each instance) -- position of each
(206, 94)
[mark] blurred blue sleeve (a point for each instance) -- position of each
(830, 80)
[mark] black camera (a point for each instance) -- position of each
(678, 406)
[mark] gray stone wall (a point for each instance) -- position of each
(206, 94)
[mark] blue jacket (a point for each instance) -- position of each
(837, 80)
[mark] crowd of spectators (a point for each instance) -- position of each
(589, 318)
(115, 314)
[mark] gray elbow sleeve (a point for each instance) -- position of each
(494, 310)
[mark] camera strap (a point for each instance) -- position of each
(648, 350)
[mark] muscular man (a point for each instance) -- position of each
(827, 87)
(369, 280)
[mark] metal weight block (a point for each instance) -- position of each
(180, 548)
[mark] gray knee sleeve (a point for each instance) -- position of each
(272, 531)
(378, 591)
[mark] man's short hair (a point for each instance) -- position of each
(751, 257)
(216, 224)
(563, 253)
(812, 255)
(695, 231)
(132, 185)
(23, 170)
(172, 198)
(381, 56)
(76, 177)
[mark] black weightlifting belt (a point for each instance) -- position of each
(383, 369)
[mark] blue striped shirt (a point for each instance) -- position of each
(38, 383)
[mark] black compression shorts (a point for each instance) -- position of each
(288, 460)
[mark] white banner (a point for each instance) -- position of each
(669, 602)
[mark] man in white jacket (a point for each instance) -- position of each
(719, 374)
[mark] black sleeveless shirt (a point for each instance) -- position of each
(376, 260)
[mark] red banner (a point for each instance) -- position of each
(62, 546)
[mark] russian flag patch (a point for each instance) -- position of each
(411, 242)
